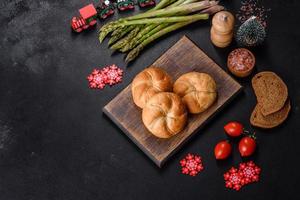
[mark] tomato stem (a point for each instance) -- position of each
(247, 133)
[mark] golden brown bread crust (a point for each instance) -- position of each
(271, 92)
(197, 90)
(270, 121)
(149, 82)
(164, 115)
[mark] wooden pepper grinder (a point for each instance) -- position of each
(221, 32)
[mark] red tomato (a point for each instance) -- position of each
(222, 150)
(234, 129)
(247, 146)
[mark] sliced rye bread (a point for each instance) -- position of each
(271, 92)
(272, 120)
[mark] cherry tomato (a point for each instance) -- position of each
(234, 129)
(222, 150)
(247, 146)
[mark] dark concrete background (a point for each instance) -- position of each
(55, 143)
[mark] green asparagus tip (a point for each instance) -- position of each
(124, 49)
(133, 54)
(111, 41)
(101, 37)
(116, 46)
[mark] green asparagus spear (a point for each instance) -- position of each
(120, 30)
(210, 11)
(157, 21)
(160, 5)
(172, 11)
(165, 19)
(143, 33)
(176, 3)
(125, 40)
(135, 52)
(132, 43)
(121, 34)
(189, 8)
(140, 40)
(155, 30)
(104, 30)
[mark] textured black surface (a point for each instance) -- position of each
(55, 143)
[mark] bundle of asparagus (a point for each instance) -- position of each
(132, 34)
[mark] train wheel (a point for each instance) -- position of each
(78, 30)
(104, 16)
(92, 23)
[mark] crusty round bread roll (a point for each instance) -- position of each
(164, 114)
(149, 82)
(197, 90)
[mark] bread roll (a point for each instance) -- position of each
(164, 115)
(149, 82)
(198, 91)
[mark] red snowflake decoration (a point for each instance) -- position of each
(233, 179)
(97, 79)
(108, 75)
(249, 172)
(114, 74)
(191, 165)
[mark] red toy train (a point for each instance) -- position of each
(89, 13)
(87, 18)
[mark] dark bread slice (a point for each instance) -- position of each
(272, 120)
(271, 92)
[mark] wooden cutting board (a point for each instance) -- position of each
(183, 57)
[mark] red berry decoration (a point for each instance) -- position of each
(249, 171)
(108, 75)
(247, 146)
(233, 179)
(191, 165)
(234, 129)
